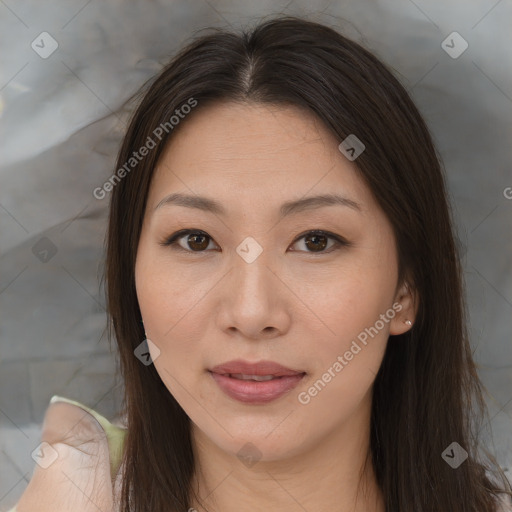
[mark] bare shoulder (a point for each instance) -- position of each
(72, 471)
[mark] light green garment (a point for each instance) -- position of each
(115, 435)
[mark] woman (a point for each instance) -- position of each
(285, 291)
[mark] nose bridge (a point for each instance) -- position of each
(252, 300)
(251, 294)
(251, 263)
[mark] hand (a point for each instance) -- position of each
(79, 479)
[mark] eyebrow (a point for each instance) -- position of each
(290, 207)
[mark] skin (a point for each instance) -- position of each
(292, 305)
(74, 472)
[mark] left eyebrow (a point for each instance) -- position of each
(288, 208)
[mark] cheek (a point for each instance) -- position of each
(168, 296)
(172, 306)
(344, 312)
(339, 304)
(348, 350)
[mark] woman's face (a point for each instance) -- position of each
(254, 284)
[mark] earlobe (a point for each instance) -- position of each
(399, 326)
(404, 319)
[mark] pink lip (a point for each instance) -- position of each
(258, 368)
(255, 392)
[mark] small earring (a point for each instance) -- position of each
(408, 322)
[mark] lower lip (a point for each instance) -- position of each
(256, 392)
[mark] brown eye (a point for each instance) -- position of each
(188, 240)
(197, 241)
(317, 241)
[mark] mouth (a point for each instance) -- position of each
(255, 383)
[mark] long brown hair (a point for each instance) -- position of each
(427, 393)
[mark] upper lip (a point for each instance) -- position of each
(257, 368)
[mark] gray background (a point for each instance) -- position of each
(61, 124)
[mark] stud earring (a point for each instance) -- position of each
(408, 322)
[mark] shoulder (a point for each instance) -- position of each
(113, 434)
(77, 460)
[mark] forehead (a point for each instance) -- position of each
(253, 154)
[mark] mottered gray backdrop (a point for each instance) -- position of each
(66, 69)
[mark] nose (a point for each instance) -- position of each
(254, 301)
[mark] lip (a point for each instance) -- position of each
(257, 368)
(255, 392)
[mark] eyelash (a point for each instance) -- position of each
(172, 240)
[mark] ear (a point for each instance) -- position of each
(408, 299)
